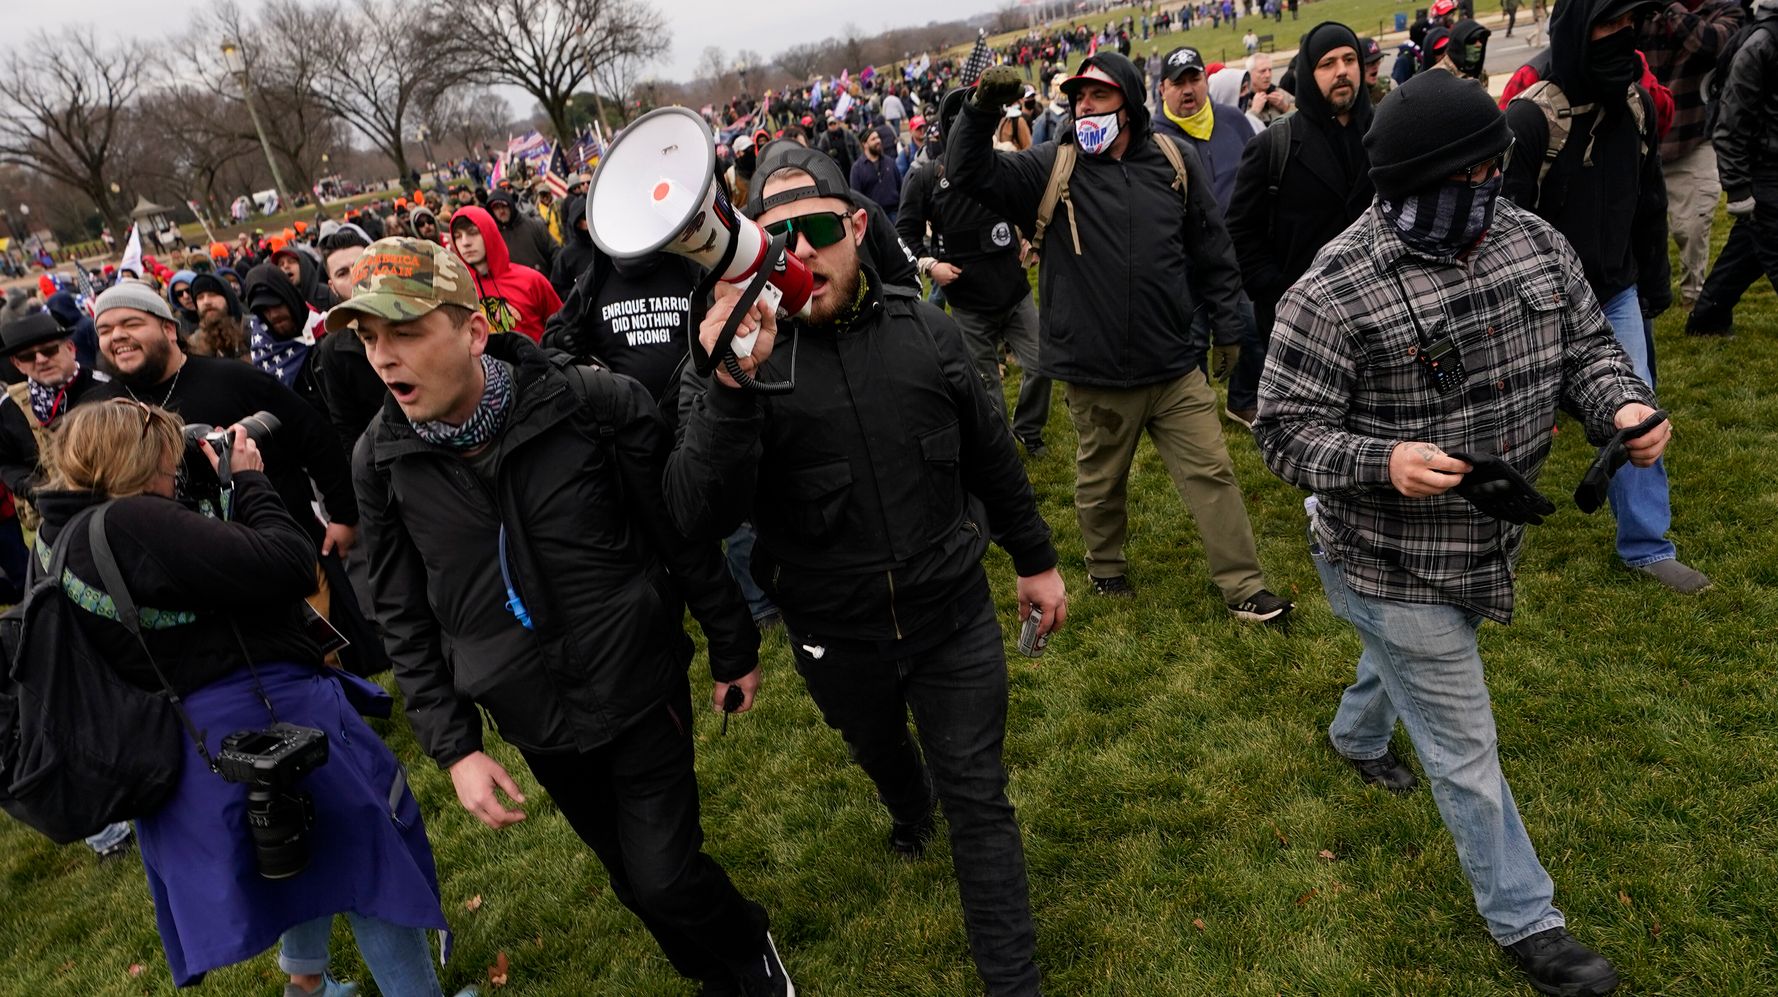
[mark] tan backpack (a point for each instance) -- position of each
(1559, 114)
(21, 396)
(1063, 169)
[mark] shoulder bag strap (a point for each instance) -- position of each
(127, 614)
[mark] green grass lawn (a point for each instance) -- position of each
(1188, 832)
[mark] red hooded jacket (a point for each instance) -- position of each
(515, 299)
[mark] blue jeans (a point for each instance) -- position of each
(1638, 495)
(399, 957)
(957, 694)
(739, 551)
(1420, 666)
(1244, 379)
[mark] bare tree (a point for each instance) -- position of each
(380, 65)
(184, 140)
(616, 79)
(547, 48)
(853, 45)
(65, 100)
(802, 61)
(471, 117)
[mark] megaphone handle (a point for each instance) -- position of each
(724, 346)
(705, 362)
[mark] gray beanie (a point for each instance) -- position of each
(132, 294)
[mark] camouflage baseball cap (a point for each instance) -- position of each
(402, 279)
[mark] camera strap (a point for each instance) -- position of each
(131, 617)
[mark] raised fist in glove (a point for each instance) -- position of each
(1740, 209)
(998, 87)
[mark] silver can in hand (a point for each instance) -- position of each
(1031, 643)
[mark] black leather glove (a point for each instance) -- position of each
(1497, 489)
(1591, 493)
(998, 87)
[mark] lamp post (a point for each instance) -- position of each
(236, 63)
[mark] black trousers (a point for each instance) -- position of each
(1750, 253)
(957, 693)
(635, 801)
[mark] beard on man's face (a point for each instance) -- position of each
(842, 278)
(157, 356)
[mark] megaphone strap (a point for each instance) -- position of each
(723, 351)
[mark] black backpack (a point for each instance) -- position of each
(80, 748)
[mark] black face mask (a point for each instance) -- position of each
(1612, 62)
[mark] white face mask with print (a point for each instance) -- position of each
(1095, 133)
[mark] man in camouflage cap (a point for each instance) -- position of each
(520, 552)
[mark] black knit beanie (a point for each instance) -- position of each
(1434, 125)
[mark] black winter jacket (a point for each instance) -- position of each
(577, 489)
(1119, 314)
(866, 483)
(1277, 236)
(982, 244)
(1746, 134)
(256, 569)
(350, 388)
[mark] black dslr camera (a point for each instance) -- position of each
(269, 762)
(259, 426)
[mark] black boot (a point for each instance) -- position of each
(1559, 965)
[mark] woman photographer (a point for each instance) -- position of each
(222, 615)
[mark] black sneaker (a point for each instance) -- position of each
(1034, 449)
(767, 978)
(1117, 586)
(1557, 964)
(1261, 607)
(1704, 324)
(910, 840)
(1387, 771)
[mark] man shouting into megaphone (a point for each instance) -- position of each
(867, 486)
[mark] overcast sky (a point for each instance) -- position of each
(732, 24)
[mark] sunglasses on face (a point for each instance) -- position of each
(44, 352)
(1487, 167)
(822, 229)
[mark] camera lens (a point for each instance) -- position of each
(279, 824)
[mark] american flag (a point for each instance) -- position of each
(555, 176)
(88, 294)
(978, 59)
(588, 149)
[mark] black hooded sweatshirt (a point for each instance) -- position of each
(528, 241)
(1325, 186)
(1119, 313)
(267, 285)
(576, 254)
(1613, 209)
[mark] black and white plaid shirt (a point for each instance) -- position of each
(1343, 384)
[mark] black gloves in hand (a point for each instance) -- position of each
(1496, 489)
(1591, 493)
(998, 87)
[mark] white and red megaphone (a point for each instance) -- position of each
(656, 190)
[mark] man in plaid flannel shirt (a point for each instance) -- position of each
(1349, 409)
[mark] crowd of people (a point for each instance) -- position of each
(483, 424)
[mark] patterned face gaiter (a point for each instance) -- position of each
(1446, 220)
(485, 422)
